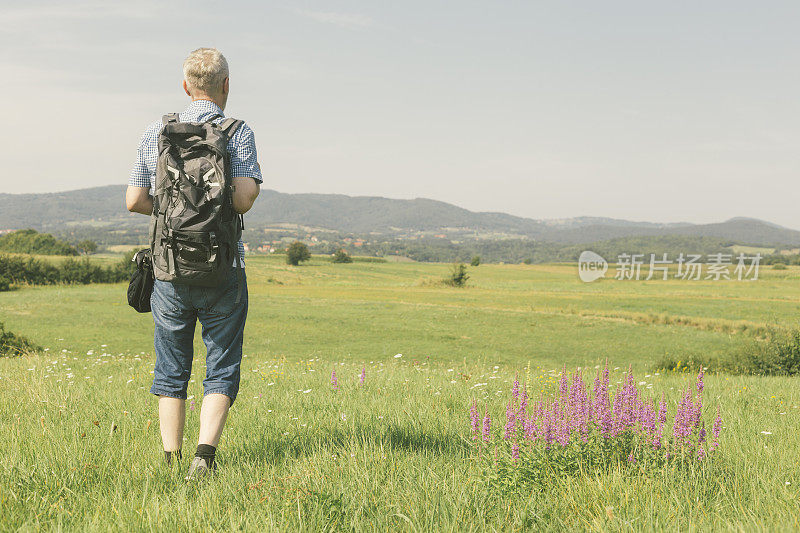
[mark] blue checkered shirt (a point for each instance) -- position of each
(241, 147)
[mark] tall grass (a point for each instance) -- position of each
(81, 451)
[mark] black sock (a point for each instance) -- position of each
(169, 455)
(207, 452)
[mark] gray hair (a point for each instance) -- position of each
(205, 70)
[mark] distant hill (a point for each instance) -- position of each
(103, 207)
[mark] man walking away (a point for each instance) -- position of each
(204, 175)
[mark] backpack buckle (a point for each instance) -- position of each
(214, 247)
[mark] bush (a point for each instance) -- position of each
(29, 241)
(12, 345)
(341, 257)
(31, 271)
(296, 253)
(86, 247)
(778, 355)
(458, 275)
(779, 266)
(476, 260)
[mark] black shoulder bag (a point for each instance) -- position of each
(141, 285)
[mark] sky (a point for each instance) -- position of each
(639, 110)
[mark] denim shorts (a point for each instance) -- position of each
(176, 310)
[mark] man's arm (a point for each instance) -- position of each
(138, 200)
(245, 193)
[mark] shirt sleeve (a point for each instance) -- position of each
(244, 157)
(144, 168)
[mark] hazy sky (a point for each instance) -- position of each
(660, 111)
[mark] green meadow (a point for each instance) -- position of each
(81, 446)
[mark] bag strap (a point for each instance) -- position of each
(240, 276)
(170, 118)
(230, 125)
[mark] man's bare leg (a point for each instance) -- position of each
(172, 419)
(213, 414)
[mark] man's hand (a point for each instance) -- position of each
(244, 194)
(138, 200)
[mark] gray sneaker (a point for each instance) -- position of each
(199, 469)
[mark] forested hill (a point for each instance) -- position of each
(104, 207)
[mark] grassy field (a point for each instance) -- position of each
(395, 453)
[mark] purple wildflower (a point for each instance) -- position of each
(700, 385)
(701, 453)
(363, 375)
(659, 421)
(474, 420)
(511, 421)
(548, 433)
(334, 381)
(563, 386)
(576, 412)
(191, 405)
(662, 410)
(715, 431)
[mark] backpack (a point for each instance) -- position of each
(194, 230)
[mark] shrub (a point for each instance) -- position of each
(779, 266)
(19, 270)
(476, 260)
(31, 271)
(14, 345)
(458, 275)
(296, 253)
(86, 247)
(779, 354)
(776, 355)
(341, 256)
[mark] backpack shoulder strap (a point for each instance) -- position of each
(230, 125)
(172, 117)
